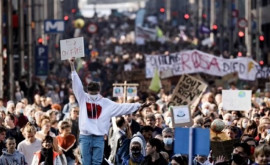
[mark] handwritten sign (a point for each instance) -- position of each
(72, 48)
(238, 100)
(188, 89)
(195, 61)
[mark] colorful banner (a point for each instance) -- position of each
(195, 61)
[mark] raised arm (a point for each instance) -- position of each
(77, 85)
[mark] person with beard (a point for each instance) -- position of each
(240, 155)
(46, 156)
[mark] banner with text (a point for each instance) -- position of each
(195, 61)
(188, 89)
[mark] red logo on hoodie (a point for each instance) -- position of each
(93, 110)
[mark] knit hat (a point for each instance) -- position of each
(138, 140)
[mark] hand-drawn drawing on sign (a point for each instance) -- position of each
(188, 89)
(118, 92)
(72, 48)
(238, 100)
(181, 116)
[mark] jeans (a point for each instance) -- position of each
(92, 148)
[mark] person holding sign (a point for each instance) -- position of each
(94, 117)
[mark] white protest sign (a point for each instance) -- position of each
(131, 91)
(73, 47)
(237, 100)
(118, 92)
(181, 116)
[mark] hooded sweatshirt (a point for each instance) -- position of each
(95, 114)
(142, 141)
(12, 159)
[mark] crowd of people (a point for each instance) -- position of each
(57, 122)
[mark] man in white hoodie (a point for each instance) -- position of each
(94, 117)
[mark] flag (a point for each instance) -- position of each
(155, 82)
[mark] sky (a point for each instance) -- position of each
(87, 10)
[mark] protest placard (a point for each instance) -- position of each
(238, 100)
(224, 148)
(73, 47)
(200, 141)
(181, 116)
(118, 92)
(188, 89)
(131, 91)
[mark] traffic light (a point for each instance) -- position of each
(204, 16)
(239, 54)
(261, 62)
(162, 10)
(261, 41)
(66, 17)
(186, 17)
(241, 36)
(214, 29)
(73, 11)
(40, 40)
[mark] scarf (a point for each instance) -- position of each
(46, 156)
(138, 159)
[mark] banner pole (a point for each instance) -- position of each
(190, 146)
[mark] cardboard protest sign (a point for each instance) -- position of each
(200, 141)
(188, 89)
(237, 100)
(224, 148)
(181, 116)
(73, 47)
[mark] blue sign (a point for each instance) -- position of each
(41, 61)
(54, 26)
(201, 141)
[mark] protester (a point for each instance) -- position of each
(11, 155)
(66, 141)
(30, 145)
(97, 111)
(46, 155)
(262, 155)
(153, 155)
(135, 156)
(2, 139)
